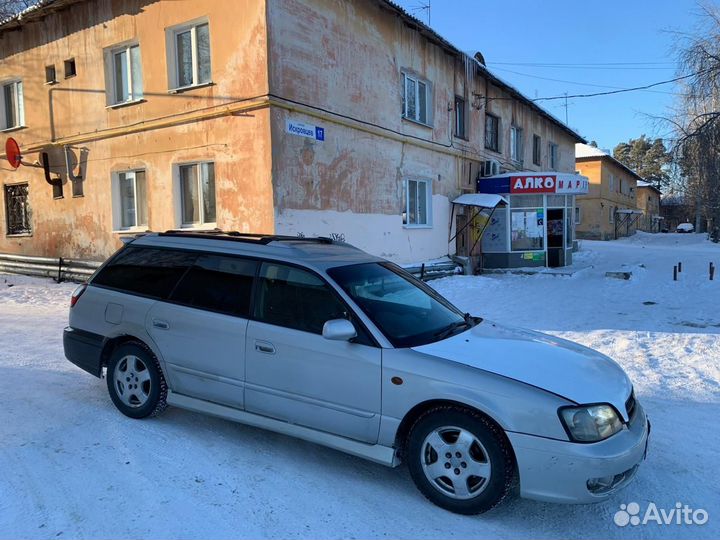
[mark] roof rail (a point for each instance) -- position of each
(236, 236)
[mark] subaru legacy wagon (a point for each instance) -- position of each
(319, 340)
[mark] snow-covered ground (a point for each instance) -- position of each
(72, 466)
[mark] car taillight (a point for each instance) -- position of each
(77, 293)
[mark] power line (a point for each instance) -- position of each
(610, 92)
(545, 64)
(575, 82)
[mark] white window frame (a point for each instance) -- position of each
(554, 155)
(117, 205)
(177, 183)
(428, 203)
(428, 98)
(516, 144)
(171, 51)
(19, 105)
(110, 81)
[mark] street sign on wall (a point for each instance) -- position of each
(302, 129)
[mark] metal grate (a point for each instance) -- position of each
(17, 209)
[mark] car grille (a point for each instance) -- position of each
(631, 406)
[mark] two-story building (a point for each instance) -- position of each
(648, 202)
(609, 209)
(348, 119)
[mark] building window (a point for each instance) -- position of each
(17, 209)
(12, 112)
(189, 55)
(611, 183)
(553, 148)
(492, 132)
(124, 69)
(70, 70)
(612, 214)
(460, 129)
(197, 194)
(516, 146)
(418, 210)
(130, 200)
(416, 99)
(578, 216)
(50, 75)
(537, 150)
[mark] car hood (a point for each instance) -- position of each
(559, 366)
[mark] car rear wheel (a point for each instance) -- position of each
(460, 460)
(135, 381)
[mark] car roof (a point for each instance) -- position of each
(317, 252)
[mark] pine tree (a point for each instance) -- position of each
(648, 158)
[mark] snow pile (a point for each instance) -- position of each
(72, 466)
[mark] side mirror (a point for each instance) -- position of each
(339, 330)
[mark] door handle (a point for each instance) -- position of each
(264, 347)
(162, 325)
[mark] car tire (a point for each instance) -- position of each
(460, 460)
(135, 381)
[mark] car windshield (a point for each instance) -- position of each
(406, 310)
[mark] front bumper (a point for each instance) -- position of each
(558, 471)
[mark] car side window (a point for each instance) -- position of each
(218, 283)
(294, 298)
(147, 271)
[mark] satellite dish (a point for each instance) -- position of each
(12, 152)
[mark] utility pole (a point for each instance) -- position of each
(566, 110)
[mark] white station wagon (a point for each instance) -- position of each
(321, 341)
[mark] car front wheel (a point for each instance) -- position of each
(460, 460)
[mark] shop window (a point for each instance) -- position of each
(516, 147)
(526, 201)
(537, 149)
(197, 194)
(460, 130)
(189, 55)
(124, 74)
(527, 229)
(556, 201)
(553, 149)
(12, 111)
(17, 209)
(418, 203)
(417, 102)
(129, 200)
(492, 132)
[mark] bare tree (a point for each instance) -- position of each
(698, 120)
(8, 8)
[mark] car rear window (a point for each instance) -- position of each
(217, 283)
(147, 271)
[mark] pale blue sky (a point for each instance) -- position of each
(576, 32)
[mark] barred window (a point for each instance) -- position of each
(17, 209)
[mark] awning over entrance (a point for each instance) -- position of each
(529, 182)
(482, 200)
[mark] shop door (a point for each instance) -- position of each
(556, 237)
(461, 240)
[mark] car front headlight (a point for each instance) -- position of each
(590, 423)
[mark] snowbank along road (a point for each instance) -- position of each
(73, 466)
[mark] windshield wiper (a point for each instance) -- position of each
(448, 330)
